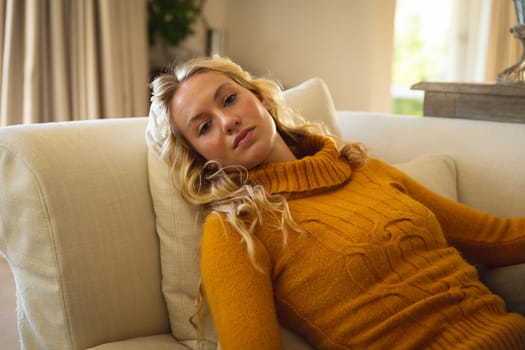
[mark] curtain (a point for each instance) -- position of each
(66, 60)
(503, 50)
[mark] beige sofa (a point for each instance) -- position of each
(78, 222)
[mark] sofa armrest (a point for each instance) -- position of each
(78, 230)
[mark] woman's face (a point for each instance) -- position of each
(226, 122)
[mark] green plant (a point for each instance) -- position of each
(172, 20)
(407, 106)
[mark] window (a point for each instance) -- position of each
(437, 41)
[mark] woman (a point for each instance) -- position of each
(347, 251)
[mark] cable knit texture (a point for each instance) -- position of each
(374, 268)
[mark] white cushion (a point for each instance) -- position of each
(434, 171)
(313, 101)
(180, 232)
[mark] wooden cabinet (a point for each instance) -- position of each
(485, 101)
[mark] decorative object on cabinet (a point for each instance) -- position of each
(516, 72)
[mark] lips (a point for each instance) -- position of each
(241, 136)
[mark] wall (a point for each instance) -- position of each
(215, 13)
(348, 43)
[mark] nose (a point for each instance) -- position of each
(230, 123)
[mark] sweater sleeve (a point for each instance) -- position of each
(479, 236)
(240, 296)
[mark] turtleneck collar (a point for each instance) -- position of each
(321, 167)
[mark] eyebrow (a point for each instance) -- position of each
(216, 95)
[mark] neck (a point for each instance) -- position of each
(281, 153)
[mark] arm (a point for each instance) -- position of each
(240, 297)
(482, 237)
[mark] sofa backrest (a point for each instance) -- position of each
(78, 229)
(489, 156)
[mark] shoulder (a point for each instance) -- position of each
(217, 230)
(222, 243)
(215, 221)
(219, 240)
(219, 236)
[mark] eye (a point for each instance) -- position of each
(204, 127)
(230, 99)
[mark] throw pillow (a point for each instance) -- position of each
(313, 101)
(434, 171)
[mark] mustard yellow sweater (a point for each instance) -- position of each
(374, 268)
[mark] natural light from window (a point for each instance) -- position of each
(436, 41)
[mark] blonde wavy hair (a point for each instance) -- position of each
(226, 190)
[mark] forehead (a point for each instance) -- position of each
(198, 89)
(193, 95)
